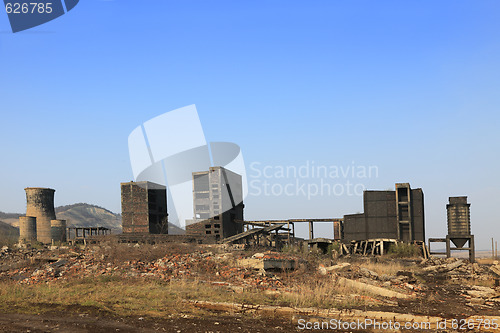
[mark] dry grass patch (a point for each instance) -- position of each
(320, 293)
(388, 267)
(156, 298)
(122, 297)
(486, 261)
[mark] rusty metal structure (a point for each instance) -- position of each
(40, 204)
(27, 228)
(144, 208)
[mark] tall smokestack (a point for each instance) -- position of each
(40, 204)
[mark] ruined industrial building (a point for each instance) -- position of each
(144, 208)
(389, 217)
(395, 214)
(217, 203)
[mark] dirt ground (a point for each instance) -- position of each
(70, 323)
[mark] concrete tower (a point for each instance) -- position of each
(40, 204)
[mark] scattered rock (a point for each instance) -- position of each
(368, 273)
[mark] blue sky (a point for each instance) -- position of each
(409, 86)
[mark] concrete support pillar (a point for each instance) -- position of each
(448, 247)
(472, 249)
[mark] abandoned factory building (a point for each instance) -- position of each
(395, 214)
(144, 208)
(217, 203)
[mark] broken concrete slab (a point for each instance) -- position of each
(59, 263)
(372, 289)
(495, 269)
(482, 292)
(267, 264)
(445, 267)
(343, 314)
(324, 270)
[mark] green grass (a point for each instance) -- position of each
(404, 250)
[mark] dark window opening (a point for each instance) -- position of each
(403, 194)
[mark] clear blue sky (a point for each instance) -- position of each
(409, 86)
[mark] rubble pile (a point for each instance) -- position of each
(456, 269)
(49, 266)
(402, 285)
(436, 276)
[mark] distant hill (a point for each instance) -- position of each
(5, 216)
(8, 230)
(11, 219)
(86, 215)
